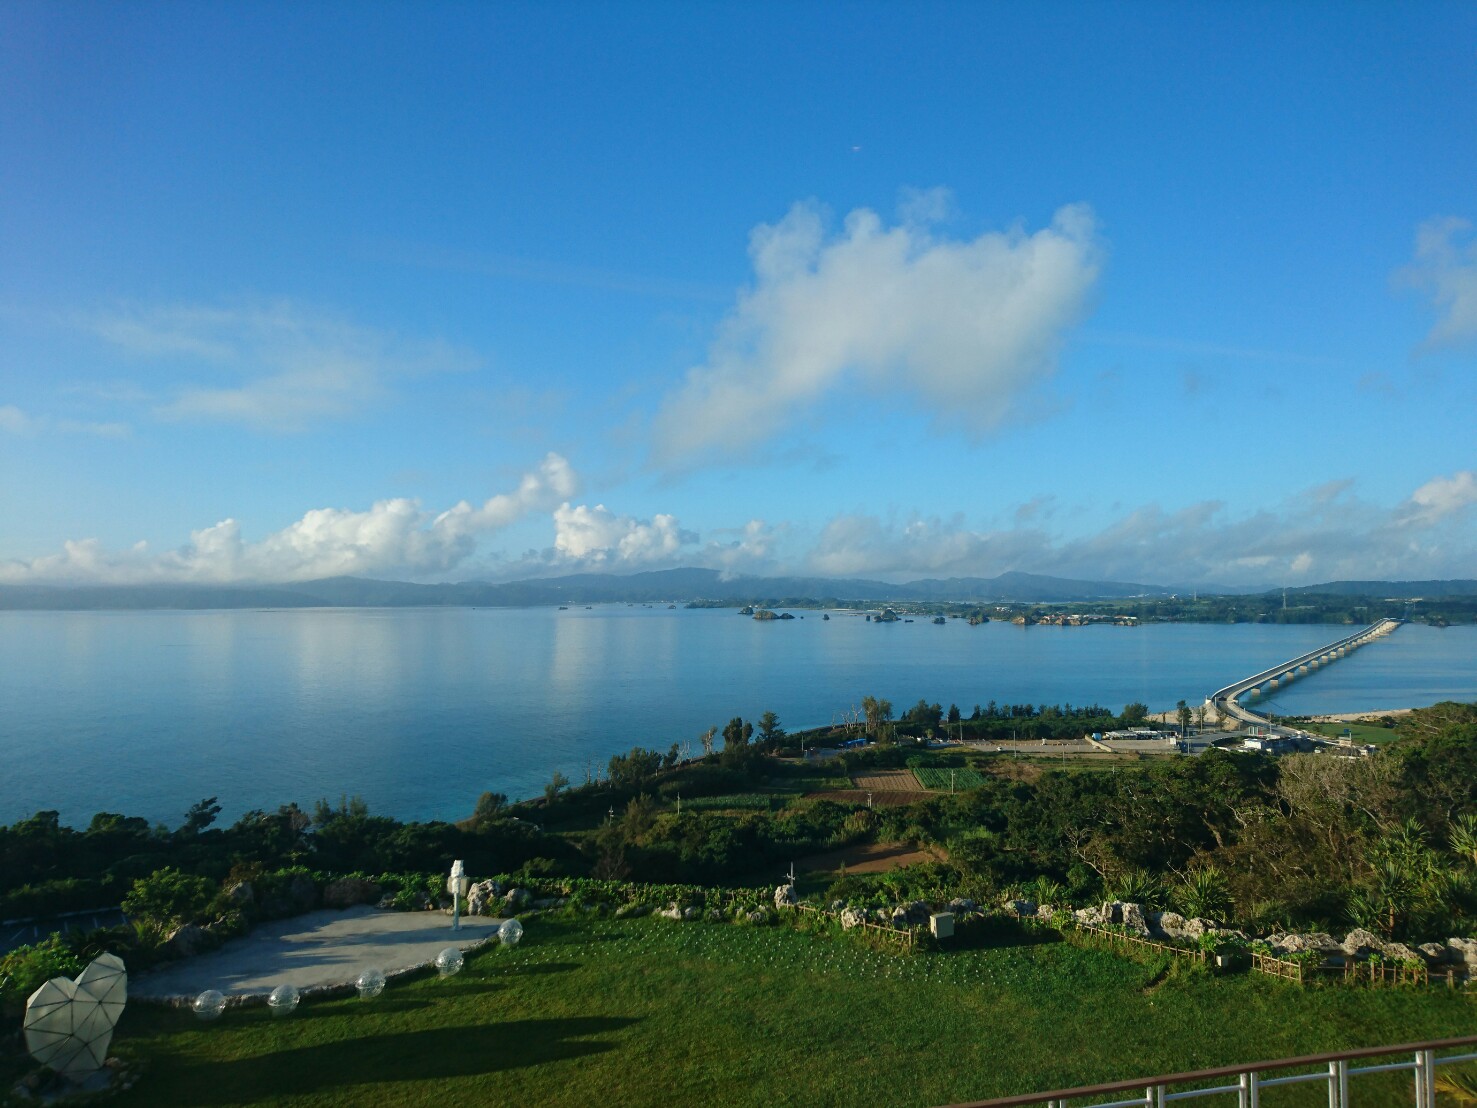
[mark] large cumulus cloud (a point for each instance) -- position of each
(965, 326)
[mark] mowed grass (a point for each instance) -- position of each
(654, 1012)
(1363, 732)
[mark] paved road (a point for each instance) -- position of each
(24, 933)
(320, 948)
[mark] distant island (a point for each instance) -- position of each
(1023, 598)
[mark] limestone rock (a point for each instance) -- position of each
(1171, 924)
(671, 911)
(1399, 952)
(481, 897)
(692, 913)
(1435, 953)
(1359, 942)
(630, 911)
(918, 911)
(1021, 907)
(899, 917)
(959, 905)
(241, 893)
(852, 917)
(1133, 919)
(187, 941)
(349, 891)
(757, 915)
(517, 898)
(784, 897)
(1462, 950)
(1089, 915)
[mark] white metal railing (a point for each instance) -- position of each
(1334, 1069)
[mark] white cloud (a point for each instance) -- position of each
(598, 537)
(392, 537)
(1321, 534)
(286, 368)
(1442, 496)
(14, 421)
(964, 325)
(1445, 265)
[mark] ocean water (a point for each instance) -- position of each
(421, 710)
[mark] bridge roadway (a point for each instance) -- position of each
(1226, 700)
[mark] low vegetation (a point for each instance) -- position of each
(648, 1011)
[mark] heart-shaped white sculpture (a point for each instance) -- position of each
(69, 1024)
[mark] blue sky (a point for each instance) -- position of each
(1180, 293)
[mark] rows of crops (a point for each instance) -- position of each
(756, 801)
(937, 778)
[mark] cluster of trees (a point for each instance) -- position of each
(47, 867)
(1388, 842)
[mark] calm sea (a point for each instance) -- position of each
(420, 710)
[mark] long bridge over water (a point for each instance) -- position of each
(1227, 700)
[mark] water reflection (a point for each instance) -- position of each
(419, 710)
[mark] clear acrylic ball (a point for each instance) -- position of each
(209, 1005)
(510, 932)
(449, 962)
(283, 1000)
(370, 983)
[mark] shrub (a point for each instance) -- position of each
(25, 968)
(168, 897)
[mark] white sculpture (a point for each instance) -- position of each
(457, 885)
(449, 962)
(69, 1024)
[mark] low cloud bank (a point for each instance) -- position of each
(393, 537)
(1320, 534)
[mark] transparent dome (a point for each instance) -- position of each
(283, 1000)
(449, 962)
(510, 932)
(209, 1005)
(370, 983)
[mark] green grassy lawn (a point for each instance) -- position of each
(654, 1012)
(1363, 732)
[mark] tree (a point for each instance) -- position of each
(634, 769)
(200, 816)
(1182, 713)
(877, 712)
(490, 806)
(1135, 713)
(707, 738)
(737, 734)
(954, 713)
(770, 731)
(556, 784)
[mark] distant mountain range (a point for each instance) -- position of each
(659, 585)
(1392, 590)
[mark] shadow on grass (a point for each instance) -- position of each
(429, 1055)
(535, 969)
(995, 933)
